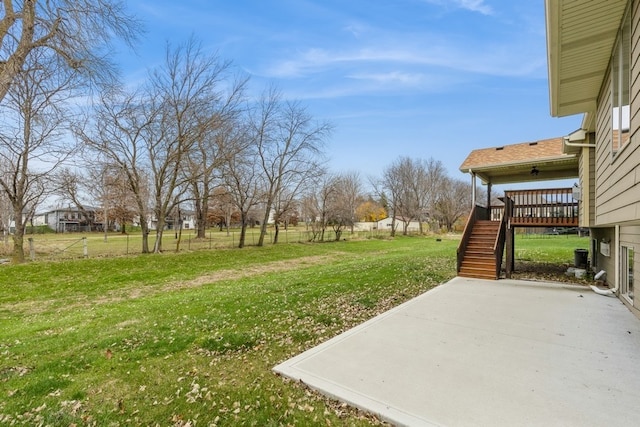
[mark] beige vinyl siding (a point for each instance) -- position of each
(635, 67)
(603, 142)
(588, 185)
(618, 178)
(583, 206)
(630, 237)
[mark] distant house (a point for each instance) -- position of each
(69, 219)
(387, 224)
(187, 218)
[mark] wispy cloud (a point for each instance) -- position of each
(502, 60)
(478, 6)
(392, 77)
(475, 6)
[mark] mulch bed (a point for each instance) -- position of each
(527, 270)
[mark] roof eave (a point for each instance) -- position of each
(577, 58)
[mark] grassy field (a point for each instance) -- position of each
(189, 339)
(65, 246)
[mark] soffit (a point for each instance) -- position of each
(580, 39)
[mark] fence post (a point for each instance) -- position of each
(32, 249)
(84, 247)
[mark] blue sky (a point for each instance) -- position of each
(419, 78)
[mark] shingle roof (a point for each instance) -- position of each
(528, 152)
(518, 162)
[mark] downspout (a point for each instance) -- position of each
(473, 188)
(610, 292)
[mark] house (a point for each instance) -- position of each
(413, 226)
(593, 50)
(187, 220)
(69, 219)
(594, 71)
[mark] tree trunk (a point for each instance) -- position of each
(144, 226)
(275, 233)
(17, 256)
(179, 236)
(265, 221)
(201, 218)
(393, 225)
(243, 230)
(157, 246)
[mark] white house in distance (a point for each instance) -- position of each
(386, 224)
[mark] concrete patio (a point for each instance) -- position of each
(487, 353)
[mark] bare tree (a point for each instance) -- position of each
(117, 199)
(242, 180)
(453, 201)
(221, 209)
(118, 132)
(203, 163)
(6, 211)
(317, 206)
(183, 91)
(390, 188)
(425, 182)
(32, 143)
(77, 32)
(412, 185)
(347, 199)
(289, 145)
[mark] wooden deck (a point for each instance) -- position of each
(480, 252)
(554, 207)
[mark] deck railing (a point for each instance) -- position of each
(543, 208)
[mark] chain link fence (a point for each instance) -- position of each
(51, 247)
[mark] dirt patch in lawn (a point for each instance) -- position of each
(219, 276)
(253, 270)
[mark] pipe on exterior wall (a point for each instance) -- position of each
(578, 144)
(568, 141)
(473, 188)
(610, 292)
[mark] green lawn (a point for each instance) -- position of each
(190, 338)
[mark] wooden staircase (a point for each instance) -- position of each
(479, 259)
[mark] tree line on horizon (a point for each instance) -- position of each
(187, 137)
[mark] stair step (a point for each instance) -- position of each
(479, 260)
(476, 276)
(477, 273)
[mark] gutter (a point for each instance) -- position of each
(578, 135)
